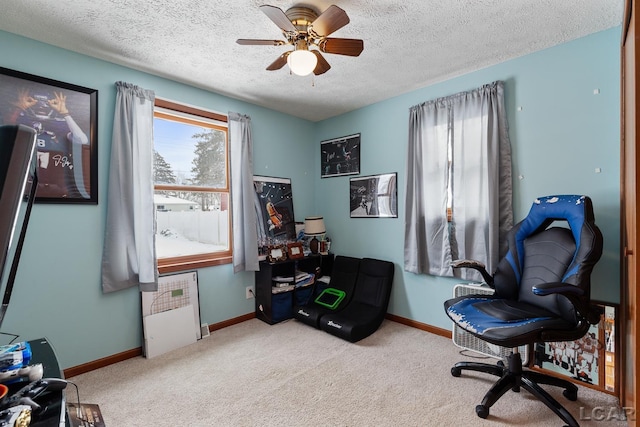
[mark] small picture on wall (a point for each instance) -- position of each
(274, 207)
(374, 196)
(340, 156)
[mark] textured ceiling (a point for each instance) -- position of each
(408, 44)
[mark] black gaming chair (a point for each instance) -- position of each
(542, 294)
(364, 314)
(344, 274)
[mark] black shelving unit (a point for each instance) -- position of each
(274, 305)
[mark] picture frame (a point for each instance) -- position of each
(295, 250)
(374, 196)
(340, 156)
(274, 210)
(277, 253)
(65, 116)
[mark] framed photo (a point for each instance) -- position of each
(295, 250)
(340, 156)
(277, 253)
(65, 117)
(374, 196)
(274, 208)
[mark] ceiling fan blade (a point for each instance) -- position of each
(279, 63)
(322, 66)
(350, 47)
(329, 21)
(278, 17)
(260, 42)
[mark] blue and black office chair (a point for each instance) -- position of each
(542, 294)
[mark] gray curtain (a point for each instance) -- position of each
(470, 130)
(129, 255)
(245, 235)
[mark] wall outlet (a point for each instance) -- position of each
(249, 292)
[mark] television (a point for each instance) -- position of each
(18, 183)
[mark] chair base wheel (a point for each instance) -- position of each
(572, 395)
(513, 377)
(482, 411)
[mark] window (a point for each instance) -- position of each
(458, 203)
(191, 183)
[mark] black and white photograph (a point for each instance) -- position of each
(340, 156)
(65, 119)
(374, 196)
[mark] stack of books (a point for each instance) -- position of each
(288, 283)
(282, 284)
(304, 279)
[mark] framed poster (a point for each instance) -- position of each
(340, 156)
(65, 117)
(274, 208)
(374, 196)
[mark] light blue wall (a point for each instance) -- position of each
(58, 293)
(561, 135)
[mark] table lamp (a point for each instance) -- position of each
(314, 226)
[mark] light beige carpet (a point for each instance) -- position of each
(290, 374)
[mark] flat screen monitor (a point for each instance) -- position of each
(18, 182)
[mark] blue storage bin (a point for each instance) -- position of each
(303, 295)
(281, 306)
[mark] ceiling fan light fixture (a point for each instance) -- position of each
(302, 62)
(303, 28)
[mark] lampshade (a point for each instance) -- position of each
(314, 226)
(302, 62)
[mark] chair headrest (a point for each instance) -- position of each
(575, 209)
(545, 210)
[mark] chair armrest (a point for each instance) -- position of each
(476, 265)
(573, 293)
(557, 288)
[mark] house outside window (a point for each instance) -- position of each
(191, 187)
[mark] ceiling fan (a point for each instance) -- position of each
(303, 28)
